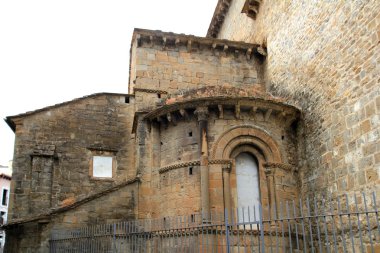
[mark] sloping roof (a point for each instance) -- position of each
(5, 176)
(217, 20)
(10, 119)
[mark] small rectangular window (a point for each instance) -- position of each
(4, 200)
(102, 166)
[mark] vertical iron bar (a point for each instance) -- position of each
(350, 224)
(270, 221)
(325, 225)
(250, 229)
(376, 211)
(114, 236)
(275, 219)
(368, 223)
(295, 222)
(303, 225)
(342, 226)
(317, 224)
(238, 228)
(333, 223)
(261, 229)
(282, 227)
(243, 235)
(359, 223)
(310, 224)
(289, 226)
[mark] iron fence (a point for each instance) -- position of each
(342, 224)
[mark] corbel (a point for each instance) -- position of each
(237, 52)
(151, 40)
(267, 114)
(237, 110)
(213, 46)
(171, 118)
(221, 112)
(261, 50)
(189, 42)
(225, 49)
(248, 53)
(138, 40)
(184, 113)
(177, 41)
(163, 43)
(253, 111)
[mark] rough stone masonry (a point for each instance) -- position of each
(294, 84)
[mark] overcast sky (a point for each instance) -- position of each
(52, 51)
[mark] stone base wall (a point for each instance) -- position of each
(120, 205)
(324, 57)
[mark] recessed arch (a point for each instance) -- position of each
(246, 135)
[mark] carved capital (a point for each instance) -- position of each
(269, 171)
(226, 167)
(274, 166)
(202, 113)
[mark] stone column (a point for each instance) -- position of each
(226, 170)
(202, 114)
(269, 172)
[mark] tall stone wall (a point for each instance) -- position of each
(324, 57)
(54, 150)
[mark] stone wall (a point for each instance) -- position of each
(179, 143)
(54, 150)
(119, 205)
(172, 67)
(324, 57)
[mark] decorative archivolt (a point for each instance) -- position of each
(246, 135)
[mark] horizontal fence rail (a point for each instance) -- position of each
(343, 224)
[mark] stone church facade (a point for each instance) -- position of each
(291, 86)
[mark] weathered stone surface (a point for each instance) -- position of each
(302, 97)
(323, 57)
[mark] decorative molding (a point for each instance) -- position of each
(246, 134)
(149, 91)
(167, 40)
(283, 166)
(220, 161)
(202, 113)
(178, 165)
(251, 8)
(165, 169)
(216, 23)
(278, 108)
(102, 148)
(43, 150)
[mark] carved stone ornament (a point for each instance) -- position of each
(202, 113)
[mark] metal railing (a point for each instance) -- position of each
(342, 224)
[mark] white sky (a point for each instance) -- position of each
(52, 51)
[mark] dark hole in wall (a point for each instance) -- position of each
(190, 133)
(190, 170)
(126, 100)
(294, 126)
(158, 95)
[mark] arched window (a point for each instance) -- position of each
(248, 190)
